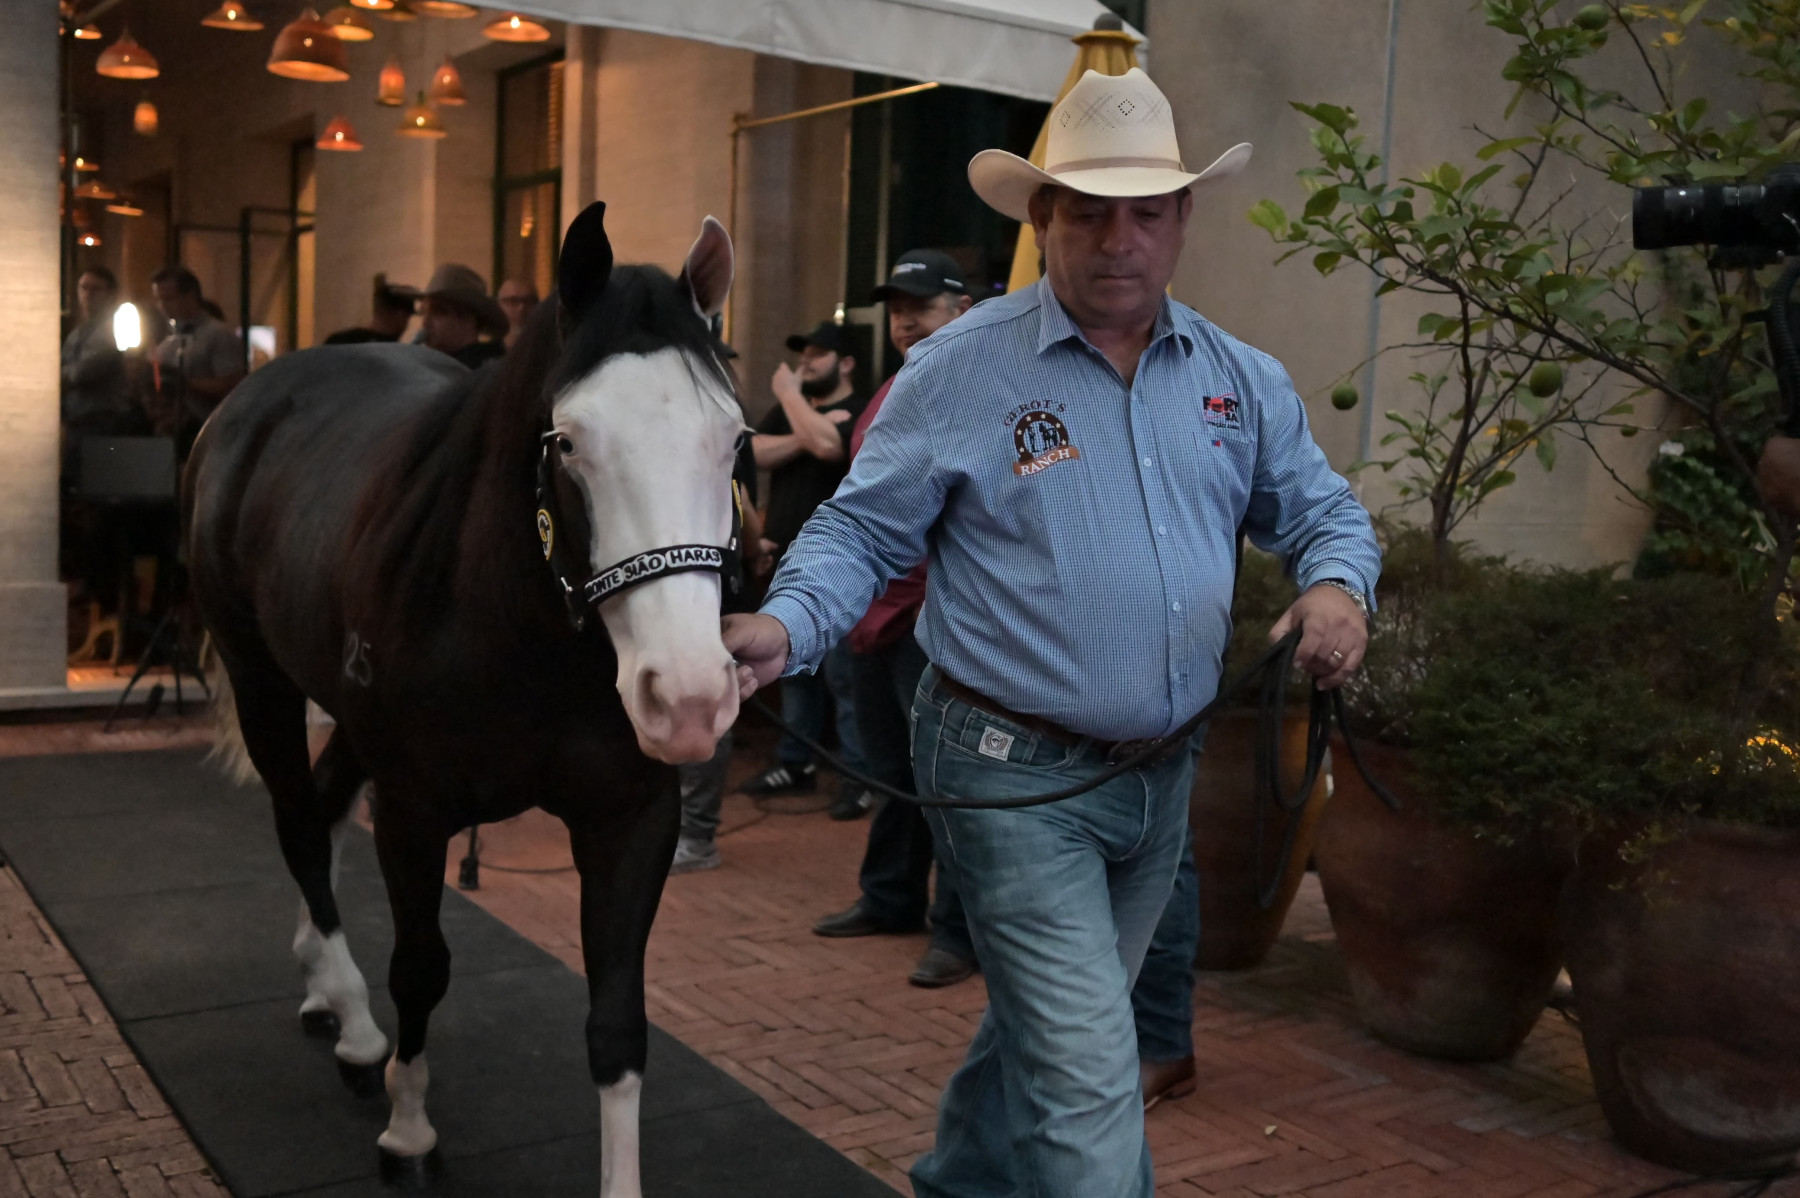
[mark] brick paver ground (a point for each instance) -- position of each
(1294, 1098)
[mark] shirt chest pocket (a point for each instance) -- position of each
(1225, 467)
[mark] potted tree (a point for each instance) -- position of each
(1247, 881)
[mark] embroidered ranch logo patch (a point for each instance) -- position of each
(1221, 411)
(1040, 439)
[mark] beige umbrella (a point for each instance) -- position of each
(1108, 51)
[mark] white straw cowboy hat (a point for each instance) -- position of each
(1112, 135)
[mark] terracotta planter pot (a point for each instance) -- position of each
(1235, 932)
(1450, 942)
(1687, 979)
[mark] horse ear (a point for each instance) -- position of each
(709, 267)
(587, 259)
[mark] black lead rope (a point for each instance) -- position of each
(1271, 668)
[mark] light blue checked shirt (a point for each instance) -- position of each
(1081, 534)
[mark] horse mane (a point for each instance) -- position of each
(457, 508)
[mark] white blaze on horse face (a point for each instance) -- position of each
(654, 439)
(619, 1138)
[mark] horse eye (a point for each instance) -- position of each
(565, 446)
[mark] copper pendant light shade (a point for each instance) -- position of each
(93, 189)
(338, 135)
(390, 86)
(374, 5)
(231, 15)
(420, 120)
(124, 207)
(400, 10)
(455, 10)
(125, 59)
(515, 28)
(89, 240)
(447, 84)
(306, 49)
(349, 24)
(85, 164)
(89, 33)
(145, 119)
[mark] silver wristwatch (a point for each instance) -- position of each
(1355, 593)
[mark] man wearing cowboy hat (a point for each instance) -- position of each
(455, 311)
(1076, 460)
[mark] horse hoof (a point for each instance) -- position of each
(410, 1172)
(321, 1024)
(364, 1081)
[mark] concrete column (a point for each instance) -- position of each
(33, 606)
(581, 119)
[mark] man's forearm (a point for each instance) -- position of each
(818, 433)
(775, 449)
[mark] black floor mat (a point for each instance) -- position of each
(166, 884)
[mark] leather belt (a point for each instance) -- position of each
(1113, 750)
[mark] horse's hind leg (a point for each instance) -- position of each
(272, 721)
(623, 861)
(412, 862)
(337, 997)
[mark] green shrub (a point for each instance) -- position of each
(1577, 699)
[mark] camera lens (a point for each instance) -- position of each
(1722, 214)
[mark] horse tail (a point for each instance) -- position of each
(230, 755)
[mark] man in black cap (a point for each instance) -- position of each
(925, 292)
(804, 444)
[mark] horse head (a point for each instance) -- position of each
(642, 435)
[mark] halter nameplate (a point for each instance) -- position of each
(651, 565)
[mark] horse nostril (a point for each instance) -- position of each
(651, 702)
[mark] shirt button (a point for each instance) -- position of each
(1146, 463)
(1175, 606)
(1162, 530)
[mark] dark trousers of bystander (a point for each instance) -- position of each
(896, 867)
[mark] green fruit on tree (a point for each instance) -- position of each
(1629, 430)
(1545, 380)
(1593, 18)
(1343, 397)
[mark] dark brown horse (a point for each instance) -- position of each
(368, 528)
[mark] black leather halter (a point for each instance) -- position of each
(647, 566)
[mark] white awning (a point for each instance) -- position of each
(1015, 47)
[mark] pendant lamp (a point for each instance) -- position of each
(144, 119)
(231, 15)
(453, 9)
(390, 86)
(401, 10)
(306, 49)
(93, 189)
(85, 164)
(421, 120)
(125, 59)
(349, 24)
(374, 5)
(514, 28)
(447, 85)
(90, 240)
(89, 33)
(124, 207)
(338, 135)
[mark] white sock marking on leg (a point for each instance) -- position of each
(619, 1138)
(334, 983)
(408, 1132)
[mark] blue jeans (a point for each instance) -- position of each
(1062, 900)
(804, 700)
(1162, 1002)
(703, 793)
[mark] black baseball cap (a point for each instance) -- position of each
(922, 273)
(829, 336)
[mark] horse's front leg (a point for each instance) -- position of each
(622, 847)
(411, 846)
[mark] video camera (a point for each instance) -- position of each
(1763, 218)
(1748, 225)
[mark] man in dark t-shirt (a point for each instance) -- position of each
(804, 444)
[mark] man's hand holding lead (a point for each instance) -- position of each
(1335, 637)
(759, 643)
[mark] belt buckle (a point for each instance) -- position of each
(1123, 750)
